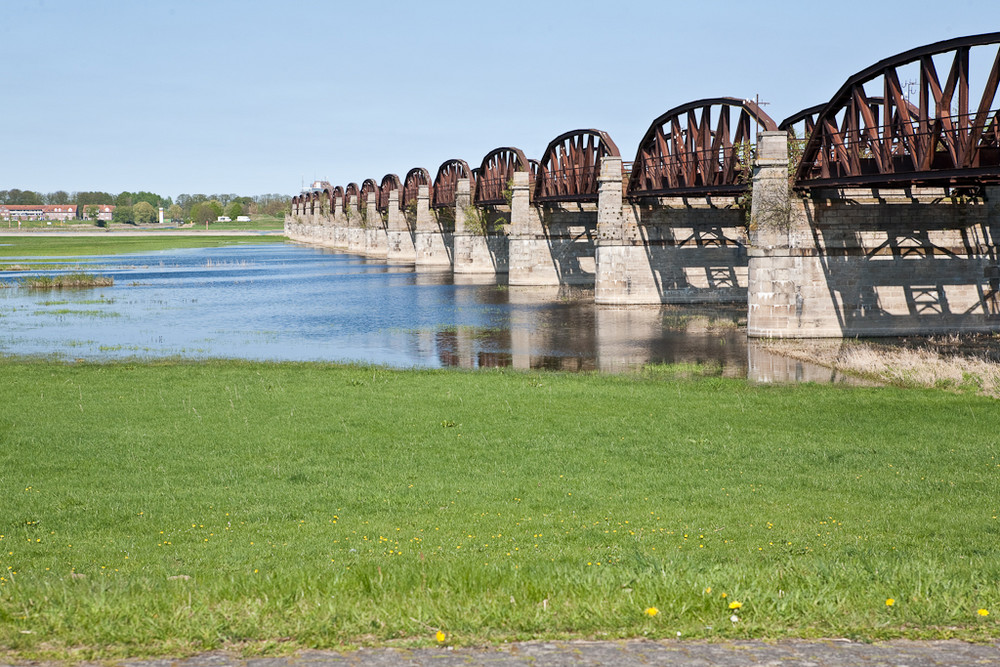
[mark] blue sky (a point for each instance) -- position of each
(255, 97)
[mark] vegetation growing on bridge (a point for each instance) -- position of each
(175, 507)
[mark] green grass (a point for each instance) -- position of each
(65, 246)
(176, 507)
(260, 223)
(76, 279)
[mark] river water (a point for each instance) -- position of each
(290, 302)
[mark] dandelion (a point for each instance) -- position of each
(735, 605)
(651, 611)
(983, 612)
(889, 602)
(734, 618)
(708, 590)
(440, 636)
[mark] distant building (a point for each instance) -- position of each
(243, 218)
(104, 211)
(38, 212)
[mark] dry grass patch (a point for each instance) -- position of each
(937, 363)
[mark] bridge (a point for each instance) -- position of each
(874, 213)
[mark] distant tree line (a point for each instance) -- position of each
(142, 207)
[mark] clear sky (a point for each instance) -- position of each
(252, 97)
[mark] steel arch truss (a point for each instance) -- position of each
(351, 191)
(698, 148)
(949, 137)
(570, 166)
(411, 184)
(448, 174)
(391, 187)
(367, 186)
(494, 175)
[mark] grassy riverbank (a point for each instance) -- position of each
(111, 244)
(172, 507)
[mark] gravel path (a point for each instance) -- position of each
(789, 653)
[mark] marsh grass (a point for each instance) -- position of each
(66, 280)
(936, 363)
(167, 508)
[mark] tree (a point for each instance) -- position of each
(91, 211)
(208, 211)
(100, 198)
(57, 197)
(175, 212)
(122, 214)
(143, 213)
(234, 210)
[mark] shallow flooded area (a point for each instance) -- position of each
(288, 302)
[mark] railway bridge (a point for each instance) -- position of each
(874, 213)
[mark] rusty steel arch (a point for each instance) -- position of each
(367, 186)
(390, 184)
(350, 191)
(495, 173)
(448, 174)
(312, 203)
(570, 166)
(414, 179)
(295, 205)
(807, 116)
(698, 148)
(951, 140)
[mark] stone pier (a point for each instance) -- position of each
(476, 249)
(873, 261)
(432, 240)
(399, 236)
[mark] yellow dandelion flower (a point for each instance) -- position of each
(440, 636)
(651, 611)
(708, 590)
(889, 602)
(735, 605)
(983, 612)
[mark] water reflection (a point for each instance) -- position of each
(288, 302)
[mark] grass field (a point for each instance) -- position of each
(68, 246)
(174, 507)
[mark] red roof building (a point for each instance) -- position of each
(38, 212)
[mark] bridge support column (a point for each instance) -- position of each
(530, 255)
(616, 259)
(868, 261)
(339, 239)
(474, 252)
(355, 230)
(376, 243)
(775, 298)
(399, 238)
(431, 241)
